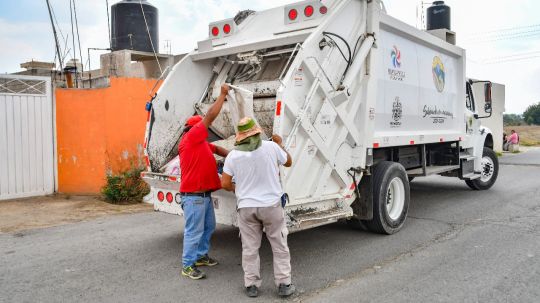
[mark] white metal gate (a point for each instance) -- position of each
(26, 137)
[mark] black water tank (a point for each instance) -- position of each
(438, 16)
(128, 26)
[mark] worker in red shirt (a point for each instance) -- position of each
(199, 178)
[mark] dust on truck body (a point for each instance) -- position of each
(364, 102)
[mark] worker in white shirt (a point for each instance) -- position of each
(254, 166)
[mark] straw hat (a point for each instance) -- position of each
(247, 128)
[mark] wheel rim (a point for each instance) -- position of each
(488, 168)
(395, 198)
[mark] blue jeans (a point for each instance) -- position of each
(200, 224)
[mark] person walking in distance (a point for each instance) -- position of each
(254, 166)
(199, 178)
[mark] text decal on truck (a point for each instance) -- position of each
(438, 115)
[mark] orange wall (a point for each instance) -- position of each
(99, 131)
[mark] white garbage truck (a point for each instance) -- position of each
(363, 101)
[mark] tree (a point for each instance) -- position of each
(513, 120)
(532, 114)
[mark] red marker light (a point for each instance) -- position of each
(308, 11)
(160, 196)
(323, 10)
(215, 31)
(169, 197)
(226, 28)
(293, 14)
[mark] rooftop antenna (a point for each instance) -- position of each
(422, 14)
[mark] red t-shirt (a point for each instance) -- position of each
(197, 163)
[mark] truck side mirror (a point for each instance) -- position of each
(487, 95)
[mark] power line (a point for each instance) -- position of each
(509, 58)
(57, 24)
(513, 60)
(505, 30)
(109, 23)
(73, 39)
(55, 35)
(79, 40)
(507, 35)
(517, 36)
(516, 55)
(150, 37)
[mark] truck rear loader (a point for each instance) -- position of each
(363, 101)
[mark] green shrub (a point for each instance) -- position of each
(125, 187)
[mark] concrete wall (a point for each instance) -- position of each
(495, 122)
(99, 131)
(134, 64)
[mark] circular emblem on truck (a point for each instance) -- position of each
(438, 73)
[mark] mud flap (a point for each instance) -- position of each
(363, 205)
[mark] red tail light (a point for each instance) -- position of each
(226, 28)
(160, 196)
(323, 10)
(308, 11)
(169, 197)
(293, 14)
(215, 31)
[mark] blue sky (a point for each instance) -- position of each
(502, 38)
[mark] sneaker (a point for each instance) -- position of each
(192, 272)
(286, 290)
(252, 291)
(206, 261)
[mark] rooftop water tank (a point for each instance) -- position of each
(438, 16)
(129, 30)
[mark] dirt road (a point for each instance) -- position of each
(23, 214)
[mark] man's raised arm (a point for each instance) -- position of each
(214, 110)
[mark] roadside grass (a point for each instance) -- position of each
(528, 142)
(529, 135)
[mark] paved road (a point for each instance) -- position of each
(458, 245)
(529, 158)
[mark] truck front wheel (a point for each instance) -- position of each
(391, 197)
(490, 171)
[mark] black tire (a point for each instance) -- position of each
(478, 184)
(383, 174)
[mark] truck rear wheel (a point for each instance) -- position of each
(391, 197)
(490, 171)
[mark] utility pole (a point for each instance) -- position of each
(55, 36)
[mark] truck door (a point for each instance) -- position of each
(472, 123)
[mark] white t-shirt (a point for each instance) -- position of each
(256, 174)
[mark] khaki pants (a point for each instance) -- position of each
(251, 221)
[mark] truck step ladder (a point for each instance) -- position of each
(471, 176)
(431, 170)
